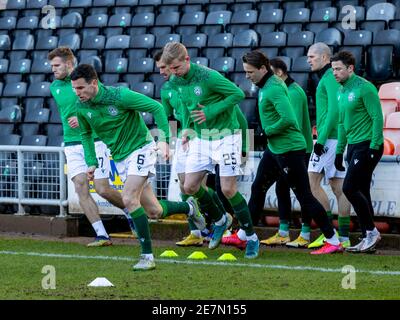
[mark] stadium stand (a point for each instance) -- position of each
(119, 38)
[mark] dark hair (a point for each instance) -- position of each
(279, 64)
(346, 57)
(85, 71)
(257, 59)
(157, 56)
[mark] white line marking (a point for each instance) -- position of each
(208, 263)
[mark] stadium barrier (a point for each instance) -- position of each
(33, 175)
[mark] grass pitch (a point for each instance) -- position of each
(276, 274)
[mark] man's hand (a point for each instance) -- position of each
(73, 122)
(374, 155)
(163, 149)
(90, 173)
(319, 149)
(339, 162)
(199, 116)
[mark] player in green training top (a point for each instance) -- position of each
(113, 115)
(284, 156)
(62, 62)
(298, 100)
(322, 159)
(211, 100)
(361, 127)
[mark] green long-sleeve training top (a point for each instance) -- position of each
(277, 116)
(173, 106)
(218, 95)
(360, 114)
(327, 107)
(113, 114)
(298, 100)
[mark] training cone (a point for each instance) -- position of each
(197, 255)
(169, 254)
(227, 257)
(100, 282)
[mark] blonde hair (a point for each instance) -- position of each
(172, 51)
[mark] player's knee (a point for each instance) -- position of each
(228, 192)
(130, 202)
(190, 189)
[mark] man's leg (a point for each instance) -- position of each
(90, 209)
(105, 191)
(282, 191)
(344, 208)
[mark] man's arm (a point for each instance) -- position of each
(282, 105)
(232, 93)
(342, 138)
(373, 106)
(87, 140)
(132, 100)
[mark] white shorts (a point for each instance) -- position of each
(180, 157)
(139, 163)
(326, 163)
(76, 160)
(205, 154)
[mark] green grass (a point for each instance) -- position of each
(21, 275)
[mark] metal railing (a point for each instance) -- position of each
(33, 176)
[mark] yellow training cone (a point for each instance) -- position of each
(227, 257)
(169, 254)
(197, 255)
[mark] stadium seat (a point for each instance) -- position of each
(6, 128)
(28, 129)
(379, 63)
(15, 89)
(20, 66)
(167, 19)
(248, 38)
(301, 65)
(148, 118)
(116, 65)
(301, 78)
(373, 26)
(265, 6)
(393, 135)
(289, 5)
(46, 43)
(330, 36)
(326, 14)
(250, 89)
(193, 18)
(381, 11)
(146, 88)
(28, 22)
(388, 147)
(55, 141)
(72, 41)
(287, 61)
(103, 3)
(94, 42)
(390, 91)
(41, 89)
(249, 109)
(24, 43)
(198, 40)
(96, 21)
(72, 20)
(143, 65)
(118, 42)
(200, 60)
(8, 23)
(9, 139)
(60, 3)
(145, 19)
(248, 17)
(33, 103)
(149, 2)
(224, 40)
(35, 140)
(388, 37)
(393, 120)
(388, 107)
(158, 81)
(81, 3)
(211, 30)
(11, 5)
(5, 42)
(222, 17)
(53, 129)
(161, 41)
(261, 28)
(273, 39)
(223, 64)
(120, 20)
(358, 38)
(4, 65)
(37, 115)
(144, 41)
(274, 16)
(297, 15)
(10, 114)
(136, 53)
